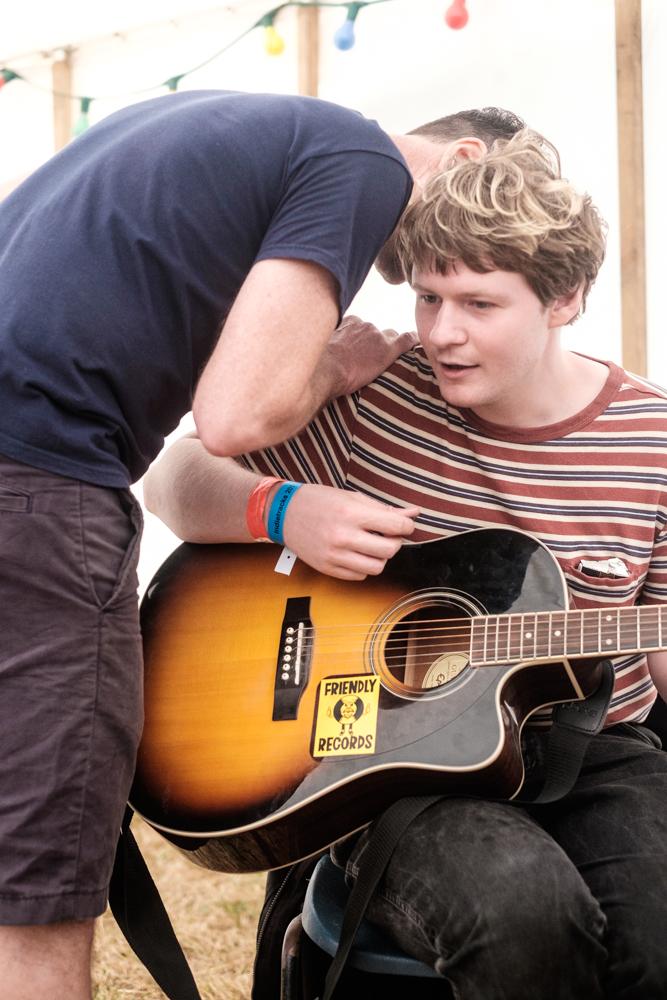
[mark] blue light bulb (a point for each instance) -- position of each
(344, 37)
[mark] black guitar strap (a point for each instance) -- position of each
(574, 723)
(386, 833)
(139, 912)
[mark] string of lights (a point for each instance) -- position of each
(456, 16)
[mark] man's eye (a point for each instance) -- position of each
(428, 299)
(481, 304)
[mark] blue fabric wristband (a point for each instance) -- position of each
(278, 509)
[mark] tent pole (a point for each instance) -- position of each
(309, 50)
(631, 183)
(61, 81)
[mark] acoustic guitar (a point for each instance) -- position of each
(285, 711)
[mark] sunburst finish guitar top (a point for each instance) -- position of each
(283, 712)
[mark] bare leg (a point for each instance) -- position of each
(49, 962)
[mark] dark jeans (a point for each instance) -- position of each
(566, 901)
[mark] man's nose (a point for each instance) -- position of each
(449, 327)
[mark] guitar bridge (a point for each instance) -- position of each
(294, 655)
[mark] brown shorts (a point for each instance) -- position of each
(70, 689)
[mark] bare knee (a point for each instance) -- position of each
(47, 962)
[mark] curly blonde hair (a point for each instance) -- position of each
(510, 210)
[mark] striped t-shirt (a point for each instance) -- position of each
(592, 488)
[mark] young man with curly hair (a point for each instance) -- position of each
(491, 422)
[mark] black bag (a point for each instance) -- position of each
(657, 720)
(285, 893)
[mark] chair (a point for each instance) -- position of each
(374, 962)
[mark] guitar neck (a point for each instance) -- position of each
(552, 635)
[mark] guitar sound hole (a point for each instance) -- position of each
(428, 648)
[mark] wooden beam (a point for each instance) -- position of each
(631, 182)
(309, 51)
(61, 83)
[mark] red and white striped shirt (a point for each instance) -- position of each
(591, 488)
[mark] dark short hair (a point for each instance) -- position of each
(487, 124)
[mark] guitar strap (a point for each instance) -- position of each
(574, 723)
(386, 833)
(139, 912)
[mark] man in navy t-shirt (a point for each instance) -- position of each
(194, 251)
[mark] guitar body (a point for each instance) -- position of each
(283, 712)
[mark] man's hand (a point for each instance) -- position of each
(358, 352)
(343, 534)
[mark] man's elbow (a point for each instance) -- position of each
(157, 501)
(232, 436)
(148, 496)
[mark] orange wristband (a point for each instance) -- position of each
(254, 514)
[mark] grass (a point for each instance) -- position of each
(215, 919)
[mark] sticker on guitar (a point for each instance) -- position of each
(346, 715)
(445, 669)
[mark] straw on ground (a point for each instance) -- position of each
(214, 916)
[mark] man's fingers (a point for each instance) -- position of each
(406, 341)
(391, 521)
(357, 566)
(374, 546)
(394, 344)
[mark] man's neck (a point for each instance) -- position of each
(564, 392)
(423, 157)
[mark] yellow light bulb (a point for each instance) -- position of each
(273, 43)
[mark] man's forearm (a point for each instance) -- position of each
(200, 497)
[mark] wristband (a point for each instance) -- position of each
(254, 515)
(279, 505)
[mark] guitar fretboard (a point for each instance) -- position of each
(548, 635)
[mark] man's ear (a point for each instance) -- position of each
(566, 308)
(467, 148)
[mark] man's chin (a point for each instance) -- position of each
(453, 395)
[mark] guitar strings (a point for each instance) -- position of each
(422, 642)
(590, 618)
(433, 640)
(500, 626)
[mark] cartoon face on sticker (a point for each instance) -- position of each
(346, 716)
(348, 710)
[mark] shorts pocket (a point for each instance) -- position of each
(111, 525)
(16, 501)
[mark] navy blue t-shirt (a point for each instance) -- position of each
(121, 257)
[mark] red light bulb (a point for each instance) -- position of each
(456, 16)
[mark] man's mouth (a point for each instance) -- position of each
(454, 370)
